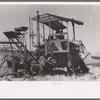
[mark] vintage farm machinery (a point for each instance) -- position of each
(53, 47)
(54, 44)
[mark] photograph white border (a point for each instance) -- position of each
(50, 89)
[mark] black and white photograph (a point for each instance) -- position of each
(49, 42)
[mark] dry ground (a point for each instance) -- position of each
(60, 75)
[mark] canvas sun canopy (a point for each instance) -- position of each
(51, 21)
(54, 21)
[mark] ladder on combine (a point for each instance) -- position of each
(15, 38)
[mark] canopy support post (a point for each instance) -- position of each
(68, 39)
(43, 33)
(30, 31)
(73, 25)
(32, 38)
(49, 26)
(38, 31)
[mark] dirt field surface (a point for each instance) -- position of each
(60, 75)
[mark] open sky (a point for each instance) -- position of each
(12, 16)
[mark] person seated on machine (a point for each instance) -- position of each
(60, 36)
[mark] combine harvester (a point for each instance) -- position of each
(54, 48)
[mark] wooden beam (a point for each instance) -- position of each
(62, 51)
(65, 33)
(62, 40)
